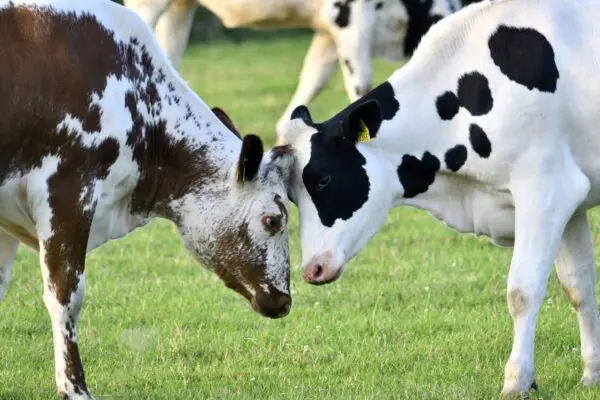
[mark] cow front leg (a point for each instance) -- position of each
(173, 29)
(576, 270)
(8, 249)
(64, 285)
(545, 201)
(318, 66)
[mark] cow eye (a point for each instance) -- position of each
(272, 223)
(323, 182)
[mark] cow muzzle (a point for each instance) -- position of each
(272, 303)
(320, 270)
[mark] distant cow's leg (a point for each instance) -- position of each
(149, 10)
(576, 271)
(542, 209)
(173, 28)
(8, 249)
(319, 63)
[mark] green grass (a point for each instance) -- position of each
(419, 314)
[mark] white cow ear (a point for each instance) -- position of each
(250, 158)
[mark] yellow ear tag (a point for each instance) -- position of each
(363, 135)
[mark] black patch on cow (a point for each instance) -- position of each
(343, 18)
(525, 56)
(447, 105)
(379, 5)
(384, 94)
(456, 157)
(419, 22)
(348, 65)
(335, 171)
(417, 175)
(474, 93)
(479, 141)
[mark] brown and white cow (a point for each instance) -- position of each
(98, 135)
(351, 31)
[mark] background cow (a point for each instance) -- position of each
(99, 135)
(492, 126)
(349, 31)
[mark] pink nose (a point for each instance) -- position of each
(319, 270)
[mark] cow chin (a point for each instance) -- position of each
(322, 269)
(272, 305)
(265, 300)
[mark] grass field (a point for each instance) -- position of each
(419, 314)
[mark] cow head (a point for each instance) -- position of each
(237, 225)
(363, 29)
(340, 186)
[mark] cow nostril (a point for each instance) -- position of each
(318, 271)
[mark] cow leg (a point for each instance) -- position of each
(64, 285)
(8, 250)
(318, 66)
(173, 28)
(149, 10)
(542, 209)
(63, 224)
(576, 270)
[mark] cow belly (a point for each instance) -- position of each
(477, 209)
(257, 13)
(496, 220)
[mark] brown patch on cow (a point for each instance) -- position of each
(573, 297)
(224, 118)
(74, 367)
(42, 79)
(91, 122)
(250, 269)
(517, 302)
(281, 151)
(169, 168)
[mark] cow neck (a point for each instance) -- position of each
(415, 145)
(188, 152)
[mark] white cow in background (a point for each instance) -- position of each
(351, 31)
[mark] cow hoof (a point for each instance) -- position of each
(509, 394)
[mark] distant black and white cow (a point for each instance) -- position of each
(351, 31)
(493, 127)
(99, 135)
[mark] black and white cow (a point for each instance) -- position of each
(492, 126)
(349, 31)
(99, 134)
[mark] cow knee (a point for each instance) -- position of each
(519, 301)
(574, 297)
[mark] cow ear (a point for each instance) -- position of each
(302, 113)
(224, 118)
(362, 123)
(250, 158)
